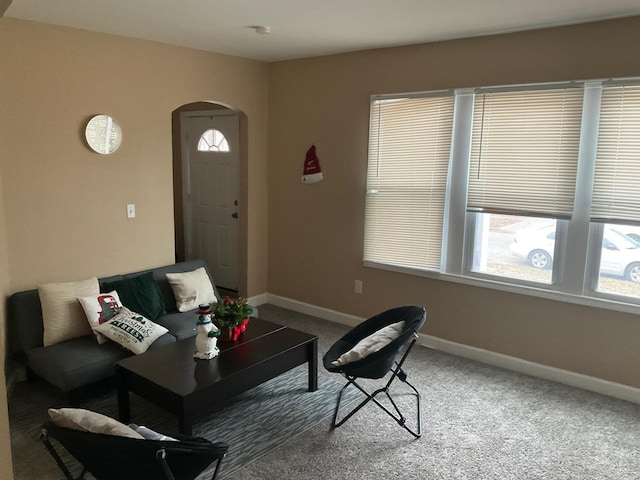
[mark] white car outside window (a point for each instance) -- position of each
(620, 251)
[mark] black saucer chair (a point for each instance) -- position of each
(110, 457)
(378, 364)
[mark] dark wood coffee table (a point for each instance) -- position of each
(170, 377)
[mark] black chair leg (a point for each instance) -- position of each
(52, 451)
(161, 457)
(352, 412)
(397, 416)
(400, 418)
(215, 472)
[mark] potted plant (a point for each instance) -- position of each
(231, 316)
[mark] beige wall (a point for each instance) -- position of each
(316, 231)
(6, 467)
(65, 205)
(6, 470)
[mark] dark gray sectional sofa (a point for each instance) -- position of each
(81, 361)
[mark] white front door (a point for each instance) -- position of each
(210, 186)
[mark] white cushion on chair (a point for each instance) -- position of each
(88, 421)
(371, 344)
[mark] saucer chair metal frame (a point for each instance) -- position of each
(110, 457)
(378, 364)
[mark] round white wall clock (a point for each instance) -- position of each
(103, 134)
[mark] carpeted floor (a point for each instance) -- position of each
(479, 422)
(253, 425)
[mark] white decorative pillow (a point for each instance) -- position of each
(191, 289)
(99, 309)
(131, 330)
(87, 421)
(151, 434)
(62, 315)
(371, 344)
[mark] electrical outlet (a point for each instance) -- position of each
(131, 210)
(358, 286)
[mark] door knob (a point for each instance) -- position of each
(234, 214)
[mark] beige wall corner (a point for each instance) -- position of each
(6, 468)
(316, 231)
(4, 4)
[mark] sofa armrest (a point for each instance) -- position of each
(25, 316)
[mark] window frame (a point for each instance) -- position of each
(382, 184)
(575, 272)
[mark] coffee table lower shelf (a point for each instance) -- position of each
(170, 377)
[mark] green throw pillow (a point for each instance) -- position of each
(139, 294)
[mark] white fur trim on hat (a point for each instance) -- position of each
(312, 178)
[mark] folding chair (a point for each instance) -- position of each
(110, 457)
(379, 363)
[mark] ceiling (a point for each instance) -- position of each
(306, 28)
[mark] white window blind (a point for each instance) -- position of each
(616, 189)
(409, 146)
(524, 152)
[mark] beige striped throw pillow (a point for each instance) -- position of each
(62, 314)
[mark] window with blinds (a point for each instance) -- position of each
(409, 147)
(524, 185)
(524, 152)
(616, 187)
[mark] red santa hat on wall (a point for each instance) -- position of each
(312, 172)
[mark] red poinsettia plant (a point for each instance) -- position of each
(232, 313)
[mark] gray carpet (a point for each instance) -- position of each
(479, 422)
(254, 424)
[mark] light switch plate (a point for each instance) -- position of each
(131, 210)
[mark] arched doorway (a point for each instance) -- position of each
(180, 180)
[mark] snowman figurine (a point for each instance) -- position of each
(208, 333)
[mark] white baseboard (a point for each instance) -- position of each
(586, 382)
(320, 312)
(258, 300)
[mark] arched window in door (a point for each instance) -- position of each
(213, 141)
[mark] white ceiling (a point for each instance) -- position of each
(306, 28)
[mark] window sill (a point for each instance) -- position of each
(606, 303)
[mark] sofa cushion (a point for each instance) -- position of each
(76, 362)
(139, 294)
(131, 330)
(104, 280)
(25, 317)
(62, 315)
(192, 289)
(180, 325)
(163, 340)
